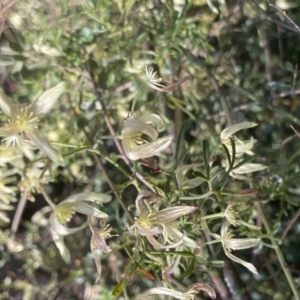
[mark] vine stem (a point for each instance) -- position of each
(279, 254)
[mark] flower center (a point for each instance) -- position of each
(24, 118)
(65, 212)
(133, 139)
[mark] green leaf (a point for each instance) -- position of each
(233, 153)
(186, 125)
(276, 85)
(243, 162)
(190, 269)
(205, 145)
(215, 171)
(200, 175)
(227, 154)
(292, 201)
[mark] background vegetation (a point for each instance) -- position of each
(243, 52)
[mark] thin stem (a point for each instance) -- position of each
(279, 254)
(114, 163)
(47, 198)
(18, 213)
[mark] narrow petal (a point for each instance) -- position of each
(5, 103)
(249, 266)
(158, 245)
(89, 210)
(249, 168)
(148, 150)
(137, 125)
(165, 291)
(91, 196)
(229, 131)
(45, 102)
(239, 244)
(170, 214)
(42, 143)
(176, 235)
(61, 229)
(154, 119)
(143, 194)
(8, 131)
(59, 242)
(148, 231)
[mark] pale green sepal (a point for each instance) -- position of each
(229, 131)
(63, 250)
(88, 196)
(5, 103)
(240, 244)
(61, 229)
(42, 143)
(249, 266)
(148, 150)
(169, 214)
(45, 102)
(8, 131)
(89, 210)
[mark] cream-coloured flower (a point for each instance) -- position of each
(64, 211)
(140, 139)
(241, 147)
(150, 222)
(232, 217)
(24, 119)
(188, 294)
(229, 244)
(98, 243)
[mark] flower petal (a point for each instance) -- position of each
(137, 125)
(61, 229)
(249, 266)
(176, 235)
(229, 131)
(90, 196)
(154, 119)
(158, 245)
(89, 210)
(42, 143)
(239, 244)
(5, 103)
(45, 102)
(63, 250)
(148, 150)
(170, 214)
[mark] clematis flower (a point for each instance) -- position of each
(24, 119)
(232, 217)
(98, 243)
(140, 139)
(150, 223)
(241, 147)
(188, 294)
(229, 244)
(63, 212)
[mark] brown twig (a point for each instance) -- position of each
(285, 15)
(18, 214)
(111, 130)
(290, 224)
